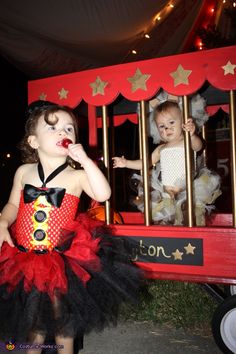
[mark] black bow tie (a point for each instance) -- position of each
(54, 196)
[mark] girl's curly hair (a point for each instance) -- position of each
(34, 112)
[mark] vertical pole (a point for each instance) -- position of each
(145, 163)
(140, 135)
(233, 154)
(205, 150)
(112, 150)
(188, 165)
(106, 159)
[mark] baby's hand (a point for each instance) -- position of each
(119, 162)
(5, 236)
(77, 153)
(190, 126)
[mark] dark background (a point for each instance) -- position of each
(13, 99)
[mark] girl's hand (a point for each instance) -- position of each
(5, 236)
(77, 153)
(190, 127)
(119, 162)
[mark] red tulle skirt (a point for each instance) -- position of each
(85, 280)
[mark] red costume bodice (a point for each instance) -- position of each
(39, 224)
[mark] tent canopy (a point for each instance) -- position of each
(47, 38)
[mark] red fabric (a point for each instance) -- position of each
(211, 110)
(92, 121)
(57, 219)
(84, 248)
(120, 119)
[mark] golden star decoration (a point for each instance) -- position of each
(180, 76)
(63, 93)
(177, 255)
(138, 81)
(98, 86)
(229, 68)
(42, 96)
(189, 249)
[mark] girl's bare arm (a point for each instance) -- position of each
(122, 162)
(92, 180)
(94, 183)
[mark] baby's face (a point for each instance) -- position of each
(169, 125)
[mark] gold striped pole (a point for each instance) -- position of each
(140, 136)
(204, 154)
(106, 159)
(188, 165)
(233, 154)
(145, 163)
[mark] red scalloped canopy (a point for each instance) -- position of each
(179, 75)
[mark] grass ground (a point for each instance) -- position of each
(178, 304)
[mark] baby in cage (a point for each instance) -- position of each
(168, 176)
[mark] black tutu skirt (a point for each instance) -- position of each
(69, 291)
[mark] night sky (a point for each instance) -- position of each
(13, 98)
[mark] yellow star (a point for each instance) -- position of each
(229, 68)
(42, 96)
(177, 255)
(189, 249)
(180, 76)
(98, 86)
(63, 93)
(138, 81)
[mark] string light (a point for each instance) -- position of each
(229, 3)
(199, 44)
(8, 155)
(210, 14)
(161, 15)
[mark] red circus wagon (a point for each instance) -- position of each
(191, 253)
